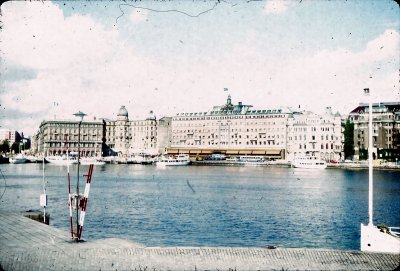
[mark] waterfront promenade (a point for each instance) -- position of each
(29, 245)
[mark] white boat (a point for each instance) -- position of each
(18, 159)
(309, 163)
(61, 160)
(31, 158)
(180, 160)
(379, 238)
(91, 161)
(250, 160)
(141, 158)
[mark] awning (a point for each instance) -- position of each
(232, 152)
(273, 152)
(258, 152)
(245, 152)
(206, 151)
(185, 151)
(173, 151)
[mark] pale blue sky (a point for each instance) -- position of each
(90, 56)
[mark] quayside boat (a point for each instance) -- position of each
(379, 238)
(61, 160)
(91, 161)
(179, 160)
(18, 159)
(309, 163)
(141, 158)
(249, 160)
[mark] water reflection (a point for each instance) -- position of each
(213, 206)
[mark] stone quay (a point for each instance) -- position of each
(26, 244)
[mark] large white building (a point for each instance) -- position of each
(57, 137)
(102, 137)
(230, 129)
(313, 135)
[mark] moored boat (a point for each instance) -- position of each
(18, 159)
(61, 160)
(309, 163)
(379, 238)
(91, 161)
(141, 158)
(179, 160)
(250, 160)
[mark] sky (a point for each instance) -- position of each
(59, 57)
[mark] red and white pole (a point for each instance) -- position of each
(84, 200)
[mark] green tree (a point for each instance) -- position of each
(5, 146)
(348, 139)
(15, 147)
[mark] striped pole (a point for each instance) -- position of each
(70, 206)
(84, 200)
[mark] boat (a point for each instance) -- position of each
(141, 158)
(217, 156)
(91, 161)
(179, 160)
(379, 238)
(309, 163)
(18, 159)
(32, 159)
(61, 160)
(250, 160)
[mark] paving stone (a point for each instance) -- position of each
(29, 245)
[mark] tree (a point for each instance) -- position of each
(348, 139)
(5, 146)
(15, 147)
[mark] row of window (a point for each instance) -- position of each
(228, 117)
(304, 137)
(177, 143)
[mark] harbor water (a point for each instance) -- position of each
(212, 205)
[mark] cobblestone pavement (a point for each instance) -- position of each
(29, 245)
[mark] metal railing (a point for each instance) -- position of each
(395, 231)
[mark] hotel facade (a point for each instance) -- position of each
(273, 133)
(229, 129)
(232, 130)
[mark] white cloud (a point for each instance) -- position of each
(138, 15)
(333, 77)
(81, 65)
(276, 6)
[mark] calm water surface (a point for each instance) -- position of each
(213, 206)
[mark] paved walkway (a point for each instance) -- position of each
(29, 245)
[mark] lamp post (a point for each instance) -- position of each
(80, 115)
(370, 183)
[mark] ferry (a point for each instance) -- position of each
(252, 160)
(180, 160)
(309, 163)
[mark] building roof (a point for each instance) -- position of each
(233, 109)
(377, 107)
